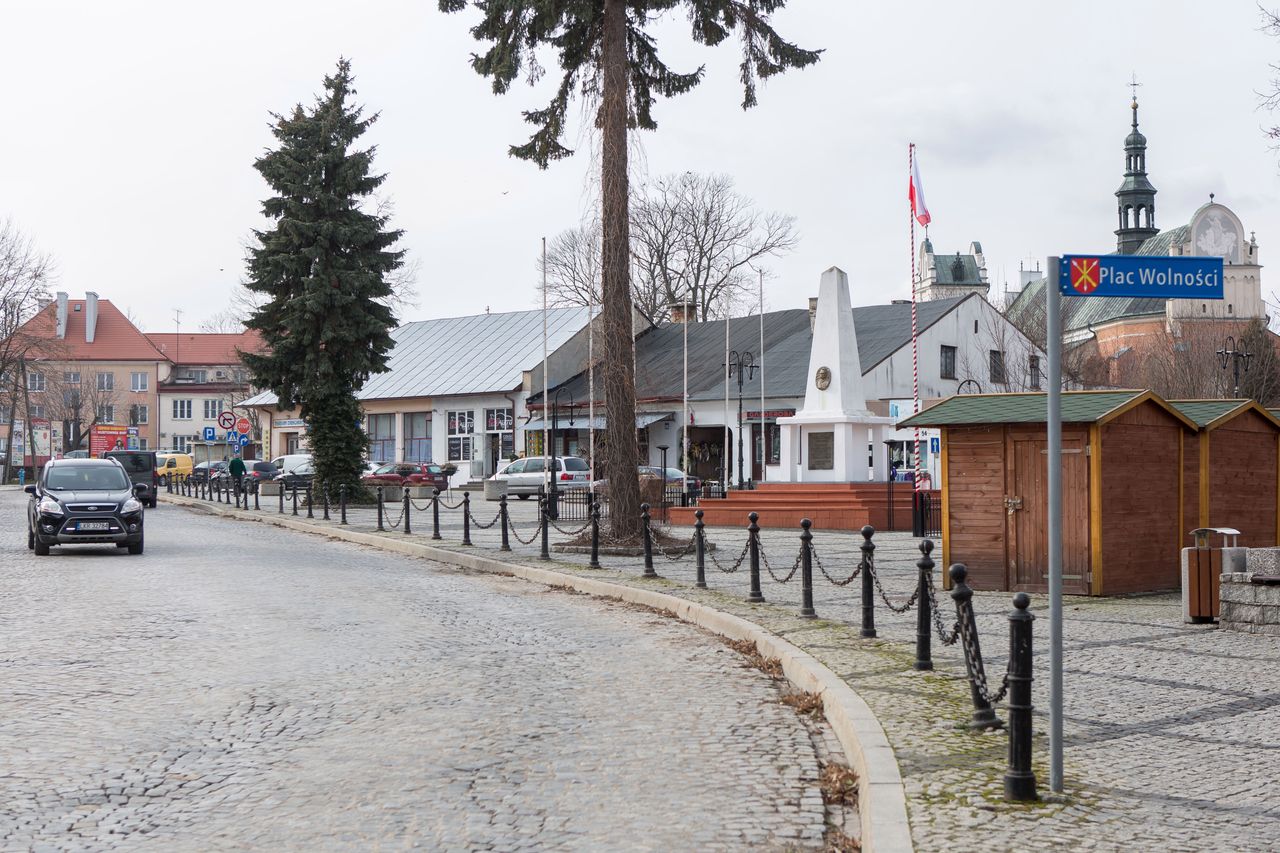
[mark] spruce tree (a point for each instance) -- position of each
(607, 53)
(323, 273)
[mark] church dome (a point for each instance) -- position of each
(1135, 139)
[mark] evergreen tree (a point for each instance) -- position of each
(606, 51)
(323, 272)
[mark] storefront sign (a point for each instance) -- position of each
(288, 423)
(770, 414)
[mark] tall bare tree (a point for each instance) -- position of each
(608, 54)
(25, 275)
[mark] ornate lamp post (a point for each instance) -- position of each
(743, 364)
(1236, 354)
(553, 495)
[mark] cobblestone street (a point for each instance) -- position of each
(1172, 730)
(240, 686)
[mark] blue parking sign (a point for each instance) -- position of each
(210, 434)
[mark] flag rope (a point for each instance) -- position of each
(915, 348)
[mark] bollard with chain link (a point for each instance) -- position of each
(546, 527)
(868, 592)
(257, 487)
(700, 550)
(753, 545)
(595, 535)
(324, 496)
(379, 500)
(342, 504)
(435, 514)
(235, 489)
(924, 630)
(647, 533)
(294, 498)
(282, 498)
(466, 518)
(984, 717)
(806, 570)
(504, 519)
(310, 502)
(1019, 779)
(405, 500)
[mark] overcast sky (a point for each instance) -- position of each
(131, 129)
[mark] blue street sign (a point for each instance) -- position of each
(243, 441)
(1141, 275)
(210, 434)
(935, 444)
(232, 436)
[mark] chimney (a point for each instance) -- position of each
(680, 311)
(813, 311)
(62, 315)
(90, 316)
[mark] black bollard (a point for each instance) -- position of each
(466, 518)
(295, 499)
(235, 490)
(868, 590)
(595, 536)
(924, 609)
(342, 504)
(379, 500)
(407, 507)
(282, 498)
(806, 570)
(984, 717)
(1019, 780)
(700, 550)
(324, 496)
(753, 545)
(310, 502)
(546, 524)
(257, 489)
(435, 514)
(648, 542)
(503, 519)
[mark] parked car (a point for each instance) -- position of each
(76, 454)
(370, 467)
(285, 464)
(408, 474)
(201, 473)
(299, 478)
(140, 465)
(528, 476)
(174, 466)
(673, 476)
(254, 470)
(84, 502)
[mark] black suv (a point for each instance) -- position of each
(140, 465)
(85, 501)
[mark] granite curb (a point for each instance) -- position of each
(881, 794)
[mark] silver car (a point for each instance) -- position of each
(528, 476)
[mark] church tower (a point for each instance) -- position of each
(1136, 198)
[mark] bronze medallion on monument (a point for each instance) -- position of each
(823, 378)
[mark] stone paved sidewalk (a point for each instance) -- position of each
(1172, 733)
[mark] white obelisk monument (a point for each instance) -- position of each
(834, 438)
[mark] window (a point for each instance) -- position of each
(975, 327)
(106, 414)
(498, 420)
(182, 410)
(997, 366)
(417, 437)
(139, 415)
(71, 399)
(1033, 363)
(106, 382)
(948, 362)
(197, 375)
(461, 425)
(239, 376)
(382, 437)
(211, 409)
(37, 412)
(142, 444)
(35, 381)
(182, 443)
(138, 381)
(71, 377)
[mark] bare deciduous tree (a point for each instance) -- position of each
(25, 274)
(1183, 362)
(692, 237)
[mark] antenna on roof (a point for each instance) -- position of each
(177, 333)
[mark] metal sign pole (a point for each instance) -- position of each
(1053, 343)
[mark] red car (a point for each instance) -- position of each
(407, 474)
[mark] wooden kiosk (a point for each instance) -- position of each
(1231, 472)
(1122, 485)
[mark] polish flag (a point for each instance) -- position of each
(915, 192)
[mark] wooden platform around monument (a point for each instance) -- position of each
(830, 506)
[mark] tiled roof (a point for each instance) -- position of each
(1077, 407)
(115, 338)
(1165, 240)
(1080, 312)
(1204, 412)
(201, 348)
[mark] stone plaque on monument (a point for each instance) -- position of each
(822, 451)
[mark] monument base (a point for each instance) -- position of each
(834, 448)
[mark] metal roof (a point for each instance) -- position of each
(484, 353)
(1077, 407)
(1079, 312)
(946, 268)
(581, 421)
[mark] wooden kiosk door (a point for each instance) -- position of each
(1027, 510)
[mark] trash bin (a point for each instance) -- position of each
(1202, 568)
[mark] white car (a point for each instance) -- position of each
(528, 476)
(289, 463)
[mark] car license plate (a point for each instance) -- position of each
(94, 525)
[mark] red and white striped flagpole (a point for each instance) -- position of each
(915, 349)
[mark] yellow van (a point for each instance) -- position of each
(175, 465)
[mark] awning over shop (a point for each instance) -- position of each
(643, 419)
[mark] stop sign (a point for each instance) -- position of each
(242, 426)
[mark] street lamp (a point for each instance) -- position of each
(553, 505)
(1236, 354)
(741, 363)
